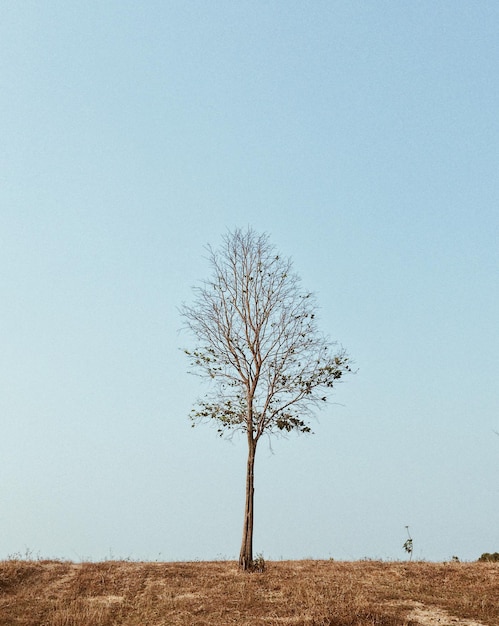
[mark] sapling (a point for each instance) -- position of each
(408, 544)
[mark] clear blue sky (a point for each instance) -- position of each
(364, 138)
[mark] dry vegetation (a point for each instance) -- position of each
(312, 593)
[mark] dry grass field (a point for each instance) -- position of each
(312, 593)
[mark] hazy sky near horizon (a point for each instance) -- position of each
(364, 138)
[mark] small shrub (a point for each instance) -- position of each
(258, 564)
(487, 556)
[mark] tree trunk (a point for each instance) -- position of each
(246, 554)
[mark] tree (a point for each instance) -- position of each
(258, 344)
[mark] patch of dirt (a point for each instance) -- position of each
(433, 616)
(106, 599)
(189, 595)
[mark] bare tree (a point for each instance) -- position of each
(258, 343)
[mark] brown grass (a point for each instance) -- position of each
(312, 593)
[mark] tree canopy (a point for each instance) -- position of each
(258, 341)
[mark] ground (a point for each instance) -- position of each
(299, 593)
